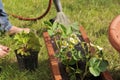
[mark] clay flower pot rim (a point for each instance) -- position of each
(114, 33)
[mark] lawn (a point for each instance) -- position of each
(94, 15)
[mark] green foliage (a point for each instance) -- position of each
(70, 56)
(94, 16)
(57, 28)
(25, 42)
(97, 66)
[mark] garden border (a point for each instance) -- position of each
(54, 62)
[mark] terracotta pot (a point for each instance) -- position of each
(56, 67)
(114, 33)
(29, 62)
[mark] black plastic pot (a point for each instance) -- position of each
(29, 62)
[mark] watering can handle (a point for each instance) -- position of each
(36, 18)
(58, 5)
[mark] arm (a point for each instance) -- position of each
(2, 11)
(4, 22)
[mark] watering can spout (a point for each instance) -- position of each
(58, 5)
(60, 17)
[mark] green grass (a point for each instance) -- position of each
(94, 15)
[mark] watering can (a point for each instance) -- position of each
(60, 17)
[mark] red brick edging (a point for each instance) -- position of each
(53, 61)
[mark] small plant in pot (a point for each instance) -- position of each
(78, 61)
(27, 47)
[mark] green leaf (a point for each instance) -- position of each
(80, 56)
(78, 71)
(54, 26)
(50, 32)
(72, 61)
(71, 68)
(34, 43)
(47, 23)
(94, 71)
(93, 61)
(74, 57)
(69, 31)
(103, 65)
(75, 26)
(73, 77)
(63, 28)
(25, 41)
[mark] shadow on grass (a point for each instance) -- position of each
(28, 23)
(10, 71)
(102, 31)
(115, 74)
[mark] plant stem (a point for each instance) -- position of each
(77, 64)
(56, 43)
(85, 73)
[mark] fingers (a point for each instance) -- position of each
(4, 48)
(3, 53)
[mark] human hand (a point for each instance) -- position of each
(3, 51)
